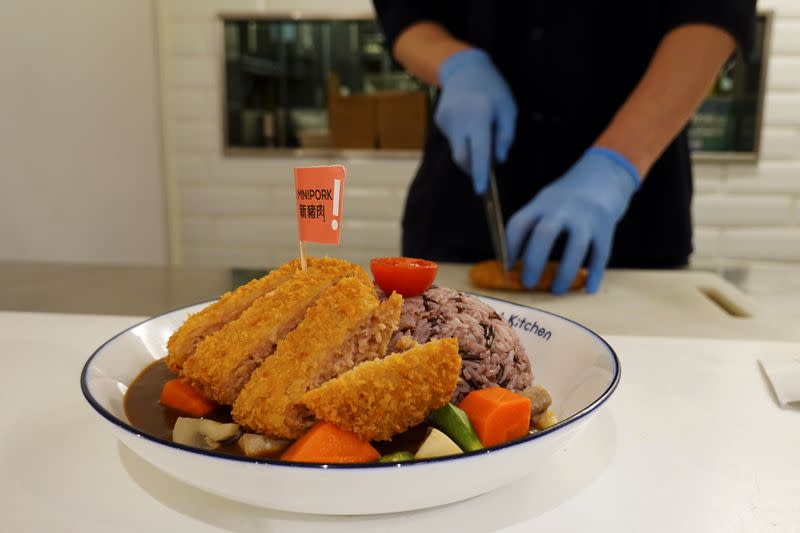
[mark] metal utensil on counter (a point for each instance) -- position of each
(494, 215)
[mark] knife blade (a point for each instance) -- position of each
(494, 215)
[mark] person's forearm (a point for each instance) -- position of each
(423, 47)
(680, 75)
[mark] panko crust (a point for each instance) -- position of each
(223, 362)
(182, 344)
(488, 275)
(307, 356)
(381, 398)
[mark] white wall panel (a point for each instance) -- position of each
(80, 138)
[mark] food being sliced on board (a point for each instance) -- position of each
(488, 275)
(223, 363)
(346, 326)
(381, 398)
(323, 368)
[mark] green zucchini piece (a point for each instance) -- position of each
(396, 457)
(455, 423)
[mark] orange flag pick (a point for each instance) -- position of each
(318, 196)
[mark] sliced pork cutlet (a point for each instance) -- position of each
(379, 399)
(182, 343)
(229, 307)
(345, 327)
(223, 362)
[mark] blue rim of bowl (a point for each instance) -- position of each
(411, 464)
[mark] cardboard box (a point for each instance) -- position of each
(391, 119)
(402, 119)
(353, 119)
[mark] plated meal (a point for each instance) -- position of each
(578, 367)
(325, 365)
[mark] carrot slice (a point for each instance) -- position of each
(497, 414)
(327, 443)
(183, 397)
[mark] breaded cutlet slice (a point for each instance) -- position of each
(345, 327)
(379, 399)
(229, 307)
(223, 362)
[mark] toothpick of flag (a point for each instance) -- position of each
(318, 199)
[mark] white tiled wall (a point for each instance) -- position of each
(750, 211)
(238, 210)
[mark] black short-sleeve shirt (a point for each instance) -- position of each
(570, 66)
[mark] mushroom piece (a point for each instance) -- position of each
(540, 399)
(203, 433)
(255, 445)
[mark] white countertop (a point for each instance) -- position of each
(667, 303)
(664, 303)
(693, 440)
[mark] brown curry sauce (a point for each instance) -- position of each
(146, 413)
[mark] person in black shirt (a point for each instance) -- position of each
(581, 107)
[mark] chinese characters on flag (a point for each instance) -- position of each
(318, 195)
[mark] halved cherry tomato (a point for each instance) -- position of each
(406, 275)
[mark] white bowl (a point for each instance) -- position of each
(578, 367)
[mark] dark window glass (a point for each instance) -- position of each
(728, 120)
(281, 74)
(277, 73)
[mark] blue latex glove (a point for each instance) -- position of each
(586, 202)
(475, 99)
